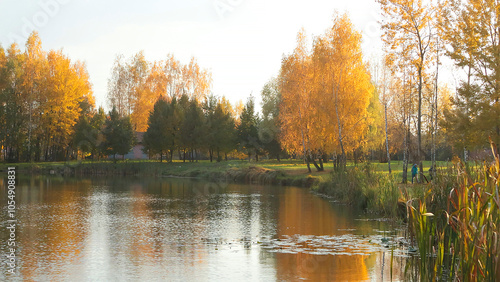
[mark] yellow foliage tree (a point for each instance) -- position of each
(345, 84)
(43, 96)
(295, 87)
(325, 94)
(409, 33)
(66, 86)
(471, 31)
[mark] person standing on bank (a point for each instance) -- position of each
(432, 170)
(414, 172)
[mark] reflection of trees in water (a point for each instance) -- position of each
(322, 267)
(131, 227)
(299, 213)
(50, 229)
(304, 214)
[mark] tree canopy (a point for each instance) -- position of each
(325, 93)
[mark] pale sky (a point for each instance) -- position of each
(241, 42)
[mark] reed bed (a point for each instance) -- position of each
(455, 225)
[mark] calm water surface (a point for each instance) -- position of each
(130, 229)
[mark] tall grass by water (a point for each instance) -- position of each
(455, 225)
(362, 186)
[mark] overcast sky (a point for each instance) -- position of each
(240, 41)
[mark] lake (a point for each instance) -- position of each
(166, 229)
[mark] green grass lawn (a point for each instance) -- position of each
(299, 167)
(291, 167)
(288, 165)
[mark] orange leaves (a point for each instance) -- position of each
(64, 87)
(325, 91)
(295, 89)
(50, 90)
(408, 31)
(188, 79)
(197, 81)
(137, 84)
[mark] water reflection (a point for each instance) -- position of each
(319, 241)
(181, 230)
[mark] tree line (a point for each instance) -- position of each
(212, 128)
(426, 119)
(187, 126)
(136, 84)
(47, 111)
(173, 105)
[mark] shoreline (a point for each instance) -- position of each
(374, 193)
(240, 172)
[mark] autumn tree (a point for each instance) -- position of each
(127, 91)
(174, 78)
(34, 66)
(387, 94)
(41, 95)
(66, 90)
(470, 30)
(408, 29)
(400, 90)
(325, 95)
(142, 101)
(196, 81)
(295, 88)
(119, 92)
(342, 75)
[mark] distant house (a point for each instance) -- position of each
(136, 153)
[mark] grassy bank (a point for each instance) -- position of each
(362, 186)
(267, 172)
(286, 172)
(371, 187)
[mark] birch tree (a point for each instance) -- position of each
(409, 23)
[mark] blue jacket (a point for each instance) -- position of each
(414, 170)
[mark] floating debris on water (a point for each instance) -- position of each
(345, 244)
